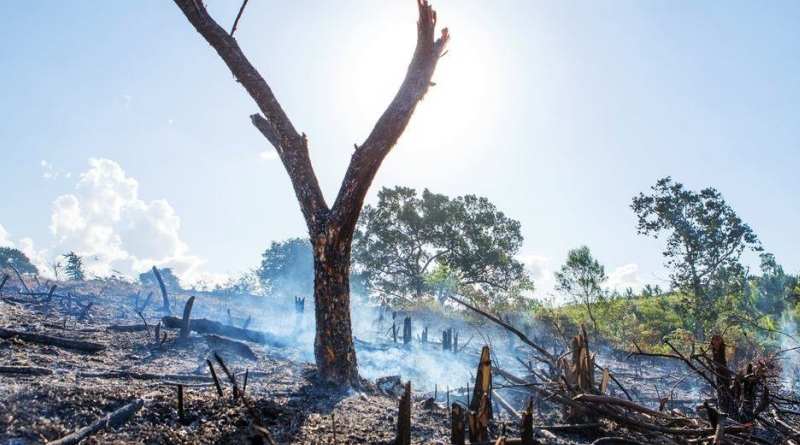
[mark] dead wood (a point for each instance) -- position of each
(238, 16)
(457, 428)
(25, 370)
(404, 417)
(616, 441)
(180, 402)
(506, 406)
(218, 343)
(164, 295)
(229, 374)
(608, 400)
(483, 384)
(128, 328)
(214, 376)
(479, 421)
(78, 345)
(3, 282)
(549, 358)
(19, 276)
(112, 420)
(205, 326)
(187, 311)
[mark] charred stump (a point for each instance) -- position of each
(404, 418)
(457, 428)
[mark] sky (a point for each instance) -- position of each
(124, 137)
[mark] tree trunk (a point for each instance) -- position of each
(330, 228)
(333, 342)
(591, 316)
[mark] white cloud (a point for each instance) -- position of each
(107, 222)
(268, 155)
(5, 239)
(541, 271)
(624, 277)
(37, 257)
(50, 172)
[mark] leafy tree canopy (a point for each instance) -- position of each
(582, 278)
(74, 267)
(14, 257)
(705, 241)
(411, 246)
(287, 267)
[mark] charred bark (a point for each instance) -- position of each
(333, 342)
(330, 229)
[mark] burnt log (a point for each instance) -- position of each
(112, 420)
(66, 343)
(25, 370)
(222, 344)
(128, 328)
(205, 326)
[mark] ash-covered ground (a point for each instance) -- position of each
(47, 392)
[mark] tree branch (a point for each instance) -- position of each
(274, 124)
(369, 156)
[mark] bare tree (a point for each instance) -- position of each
(330, 228)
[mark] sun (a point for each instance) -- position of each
(462, 98)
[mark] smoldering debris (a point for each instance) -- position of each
(236, 369)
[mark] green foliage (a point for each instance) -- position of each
(581, 278)
(287, 267)
(74, 267)
(14, 257)
(411, 246)
(170, 280)
(705, 241)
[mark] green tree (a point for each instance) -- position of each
(581, 278)
(171, 281)
(287, 267)
(773, 287)
(14, 257)
(705, 241)
(74, 267)
(411, 246)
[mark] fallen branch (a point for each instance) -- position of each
(128, 328)
(223, 344)
(114, 419)
(26, 370)
(204, 326)
(19, 275)
(78, 345)
(551, 360)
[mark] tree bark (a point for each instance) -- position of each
(330, 229)
(333, 343)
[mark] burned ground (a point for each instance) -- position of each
(85, 386)
(49, 391)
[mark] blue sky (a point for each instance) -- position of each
(559, 112)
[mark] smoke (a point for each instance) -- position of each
(789, 359)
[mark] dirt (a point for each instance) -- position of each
(285, 395)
